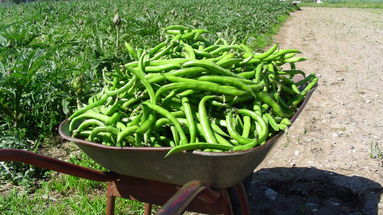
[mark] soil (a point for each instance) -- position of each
(330, 161)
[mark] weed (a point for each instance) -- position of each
(375, 151)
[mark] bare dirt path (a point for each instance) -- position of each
(330, 161)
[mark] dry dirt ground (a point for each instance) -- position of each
(330, 162)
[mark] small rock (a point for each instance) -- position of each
(367, 101)
(293, 164)
(352, 147)
(340, 79)
(271, 194)
(335, 203)
(48, 198)
(309, 204)
(296, 153)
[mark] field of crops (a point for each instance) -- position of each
(52, 55)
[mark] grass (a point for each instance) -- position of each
(51, 57)
(61, 193)
(52, 198)
(265, 39)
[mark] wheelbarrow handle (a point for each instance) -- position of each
(53, 164)
(181, 200)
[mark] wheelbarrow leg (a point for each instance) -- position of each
(178, 203)
(110, 200)
(226, 204)
(242, 195)
(147, 209)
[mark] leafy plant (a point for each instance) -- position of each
(18, 173)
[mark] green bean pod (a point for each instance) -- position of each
(87, 123)
(200, 86)
(88, 107)
(99, 129)
(246, 126)
(211, 66)
(267, 53)
(200, 146)
(204, 120)
(131, 51)
(189, 118)
(166, 113)
(233, 133)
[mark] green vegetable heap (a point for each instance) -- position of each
(191, 94)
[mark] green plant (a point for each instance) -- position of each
(375, 151)
(17, 173)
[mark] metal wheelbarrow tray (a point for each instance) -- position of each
(215, 169)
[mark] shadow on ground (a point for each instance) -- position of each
(285, 191)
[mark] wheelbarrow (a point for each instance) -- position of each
(187, 181)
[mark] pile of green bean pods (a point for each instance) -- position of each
(192, 94)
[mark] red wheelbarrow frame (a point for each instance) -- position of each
(193, 196)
